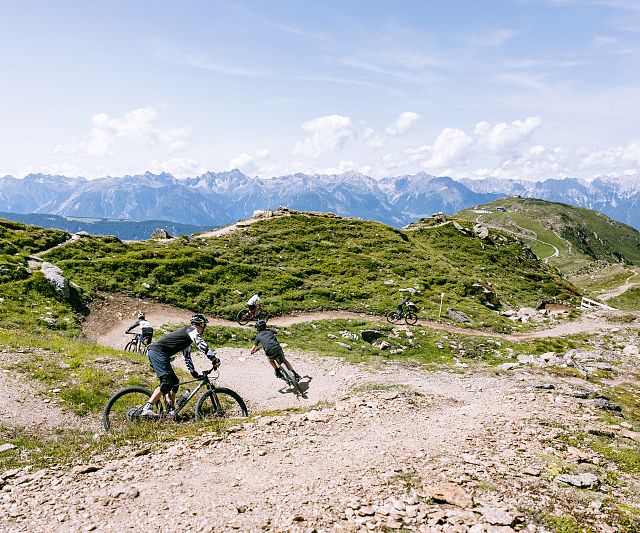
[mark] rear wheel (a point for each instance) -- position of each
(221, 403)
(124, 407)
(393, 317)
(410, 318)
(243, 317)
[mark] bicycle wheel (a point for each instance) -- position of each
(411, 318)
(220, 403)
(393, 317)
(291, 380)
(263, 315)
(131, 346)
(243, 317)
(123, 408)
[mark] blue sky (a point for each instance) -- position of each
(526, 89)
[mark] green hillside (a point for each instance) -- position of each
(567, 237)
(310, 262)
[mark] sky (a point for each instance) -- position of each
(523, 89)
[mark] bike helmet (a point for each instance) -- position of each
(261, 325)
(198, 319)
(140, 316)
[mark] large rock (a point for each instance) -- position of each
(457, 316)
(54, 276)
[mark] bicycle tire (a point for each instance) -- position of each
(410, 318)
(263, 315)
(117, 415)
(291, 380)
(393, 317)
(130, 346)
(225, 403)
(242, 317)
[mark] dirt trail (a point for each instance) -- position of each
(111, 317)
(23, 405)
(617, 291)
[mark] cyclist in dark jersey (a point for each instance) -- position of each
(266, 339)
(164, 350)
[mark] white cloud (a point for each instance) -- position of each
(180, 167)
(327, 134)
(371, 139)
(503, 136)
(402, 123)
(617, 156)
(451, 147)
(251, 164)
(136, 126)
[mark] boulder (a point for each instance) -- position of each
(370, 335)
(457, 316)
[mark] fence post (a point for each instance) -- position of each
(440, 311)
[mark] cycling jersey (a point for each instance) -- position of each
(267, 339)
(181, 340)
(254, 300)
(144, 325)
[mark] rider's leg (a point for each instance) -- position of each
(288, 365)
(275, 367)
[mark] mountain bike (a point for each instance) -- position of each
(124, 407)
(299, 388)
(245, 315)
(410, 315)
(135, 344)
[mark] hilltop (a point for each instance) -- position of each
(305, 261)
(563, 235)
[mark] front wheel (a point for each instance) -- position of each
(124, 407)
(131, 346)
(243, 317)
(291, 380)
(220, 403)
(411, 318)
(393, 317)
(263, 315)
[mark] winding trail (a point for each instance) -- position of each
(621, 289)
(556, 251)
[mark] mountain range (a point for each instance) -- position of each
(216, 199)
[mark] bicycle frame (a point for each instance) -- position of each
(205, 382)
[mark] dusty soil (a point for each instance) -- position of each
(378, 445)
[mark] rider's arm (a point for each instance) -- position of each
(133, 326)
(189, 362)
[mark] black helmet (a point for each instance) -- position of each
(140, 316)
(199, 319)
(261, 325)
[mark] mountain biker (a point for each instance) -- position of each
(162, 352)
(146, 330)
(266, 338)
(253, 303)
(404, 303)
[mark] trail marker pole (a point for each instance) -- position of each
(440, 311)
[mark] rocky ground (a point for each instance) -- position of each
(387, 448)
